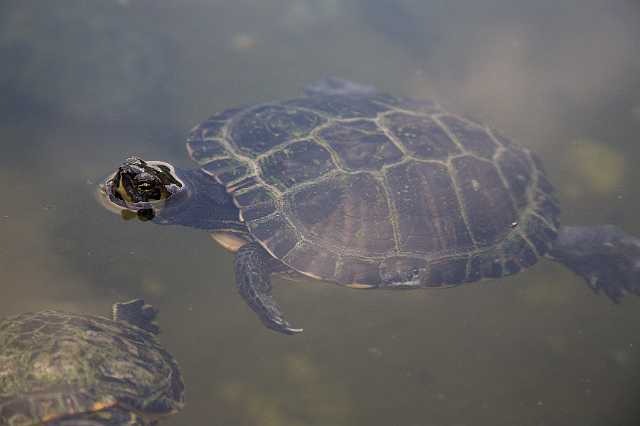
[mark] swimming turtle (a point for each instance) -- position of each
(67, 369)
(353, 186)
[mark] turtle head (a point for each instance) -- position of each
(138, 181)
(138, 188)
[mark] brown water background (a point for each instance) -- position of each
(84, 84)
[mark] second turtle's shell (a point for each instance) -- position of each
(58, 364)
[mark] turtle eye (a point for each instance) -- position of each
(144, 187)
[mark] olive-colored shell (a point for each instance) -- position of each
(380, 191)
(57, 364)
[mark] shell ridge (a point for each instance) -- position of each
(469, 143)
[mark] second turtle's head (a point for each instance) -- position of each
(140, 187)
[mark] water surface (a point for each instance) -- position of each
(85, 84)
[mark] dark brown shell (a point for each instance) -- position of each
(380, 191)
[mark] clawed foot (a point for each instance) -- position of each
(253, 280)
(260, 300)
(280, 325)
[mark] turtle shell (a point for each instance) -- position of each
(56, 365)
(380, 191)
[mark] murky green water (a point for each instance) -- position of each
(83, 84)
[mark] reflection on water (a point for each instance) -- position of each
(92, 83)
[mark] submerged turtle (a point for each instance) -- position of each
(360, 188)
(65, 369)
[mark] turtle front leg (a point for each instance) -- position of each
(253, 279)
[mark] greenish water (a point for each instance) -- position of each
(83, 84)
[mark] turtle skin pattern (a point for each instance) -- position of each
(378, 191)
(58, 367)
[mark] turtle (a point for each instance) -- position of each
(69, 369)
(351, 185)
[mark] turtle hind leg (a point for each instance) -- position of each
(605, 256)
(253, 279)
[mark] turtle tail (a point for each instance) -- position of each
(605, 256)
